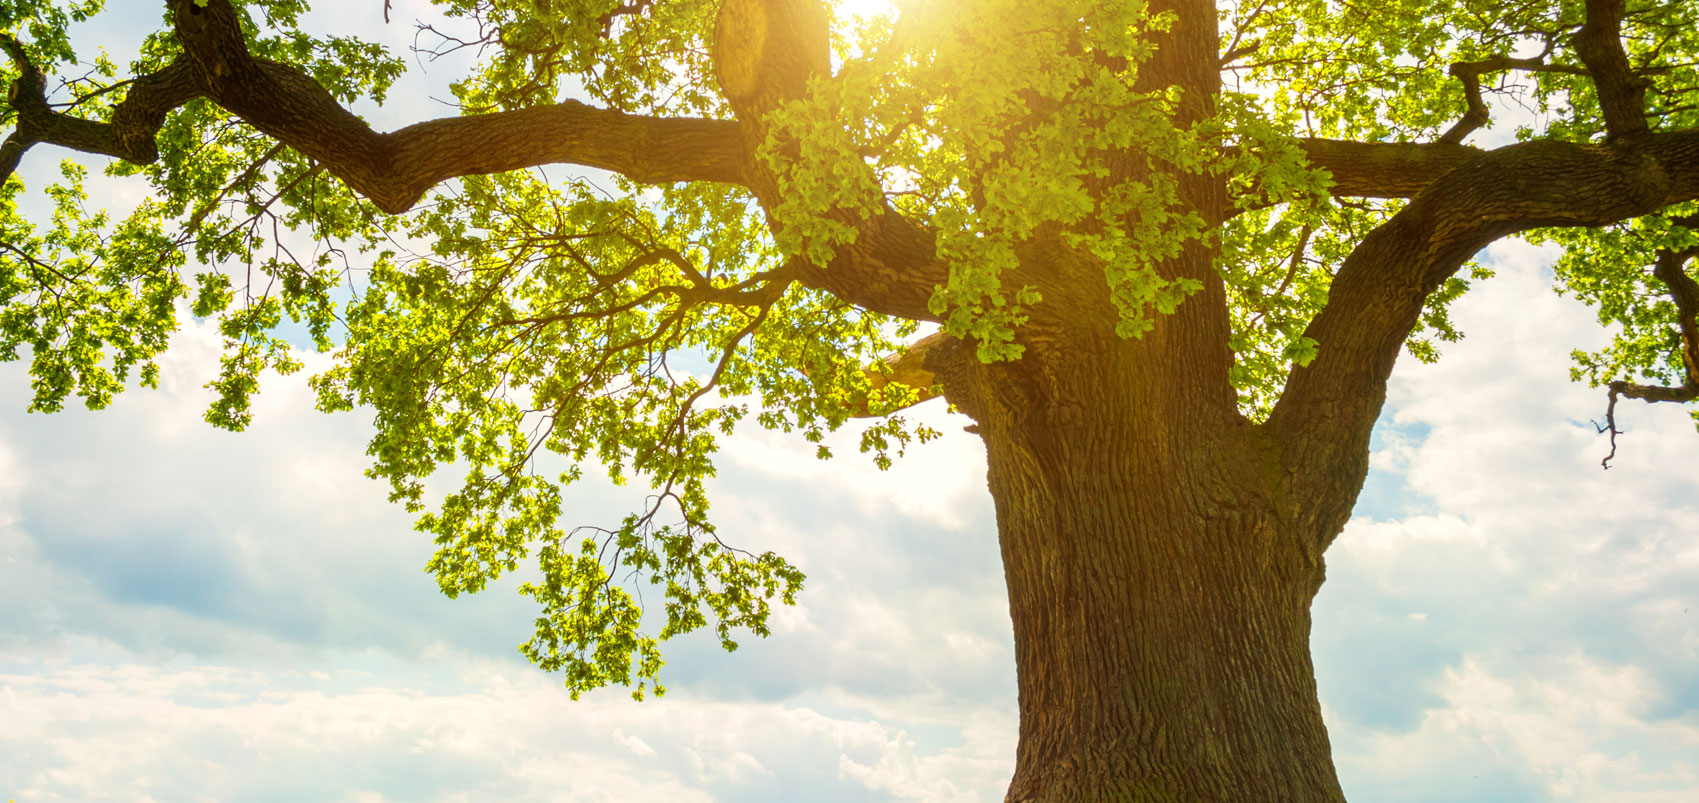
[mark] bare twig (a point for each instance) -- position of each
(1470, 72)
(1685, 292)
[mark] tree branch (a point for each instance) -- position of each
(765, 53)
(394, 170)
(1385, 169)
(1684, 291)
(650, 150)
(1470, 72)
(907, 367)
(1622, 94)
(129, 136)
(1323, 419)
(1670, 269)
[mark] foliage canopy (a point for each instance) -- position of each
(629, 320)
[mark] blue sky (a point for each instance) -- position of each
(195, 615)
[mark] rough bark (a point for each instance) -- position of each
(130, 134)
(1323, 419)
(1622, 93)
(1385, 169)
(394, 169)
(1158, 590)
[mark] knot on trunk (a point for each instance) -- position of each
(211, 36)
(766, 50)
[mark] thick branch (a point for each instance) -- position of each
(1655, 393)
(650, 150)
(765, 52)
(1385, 169)
(1323, 419)
(1671, 270)
(394, 170)
(134, 122)
(1622, 94)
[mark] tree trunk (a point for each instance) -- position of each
(1160, 605)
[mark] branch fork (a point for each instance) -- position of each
(1470, 72)
(1685, 292)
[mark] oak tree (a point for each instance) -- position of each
(1163, 254)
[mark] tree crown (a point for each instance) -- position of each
(780, 196)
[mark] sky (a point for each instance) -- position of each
(188, 614)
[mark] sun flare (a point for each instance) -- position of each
(862, 9)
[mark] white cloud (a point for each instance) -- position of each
(1528, 639)
(942, 483)
(1569, 728)
(635, 745)
(80, 731)
(298, 643)
(221, 615)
